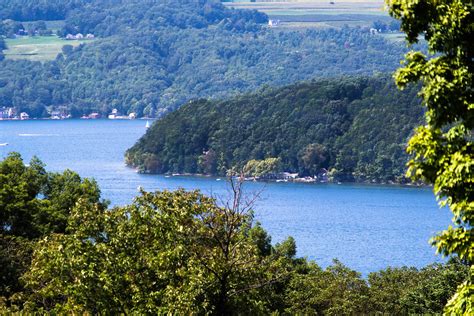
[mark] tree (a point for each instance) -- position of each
(262, 168)
(168, 252)
(67, 50)
(442, 150)
(19, 187)
(314, 157)
(34, 204)
(337, 290)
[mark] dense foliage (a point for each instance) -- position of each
(152, 56)
(33, 10)
(3, 46)
(356, 127)
(443, 149)
(33, 204)
(179, 253)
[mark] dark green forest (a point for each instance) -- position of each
(62, 251)
(152, 56)
(356, 127)
(34, 10)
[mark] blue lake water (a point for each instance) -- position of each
(366, 227)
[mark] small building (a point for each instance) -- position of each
(373, 31)
(90, 36)
(94, 115)
(56, 115)
(113, 115)
(11, 112)
(288, 176)
(3, 114)
(132, 116)
(79, 36)
(273, 23)
(70, 37)
(322, 175)
(24, 116)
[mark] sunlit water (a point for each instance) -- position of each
(367, 227)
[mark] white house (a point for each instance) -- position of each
(273, 23)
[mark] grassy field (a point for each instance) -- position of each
(38, 48)
(319, 13)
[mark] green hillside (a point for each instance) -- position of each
(153, 56)
(354, 127)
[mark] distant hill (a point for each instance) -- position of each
(34, 10)
(149, 57)
(356, 127)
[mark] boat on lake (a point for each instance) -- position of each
(3, 144)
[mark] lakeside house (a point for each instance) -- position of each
(92, 116)
(7, 113)
(60, 113)
(115, 115)
(273, 23)
(322, 176)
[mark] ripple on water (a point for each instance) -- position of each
(366, 227)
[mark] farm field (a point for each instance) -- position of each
(37, 48)
(320, 13)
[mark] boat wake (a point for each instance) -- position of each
(37, 135)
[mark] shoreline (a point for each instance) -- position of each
(76, 118)
(296, 181)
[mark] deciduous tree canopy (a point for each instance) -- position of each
(443, 149)
(178, 252)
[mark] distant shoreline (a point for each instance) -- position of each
(78, 119)
(297, 181)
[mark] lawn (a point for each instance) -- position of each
(37, 48)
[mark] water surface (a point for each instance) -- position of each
(367, 227)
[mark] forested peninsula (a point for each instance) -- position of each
(149, 57)
(354, 128)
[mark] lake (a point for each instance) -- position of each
(366, 227)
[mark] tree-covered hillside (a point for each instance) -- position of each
(33, 10)
(355, 127)
(152, 56)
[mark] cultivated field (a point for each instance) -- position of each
(320, 13)
(37, 48)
